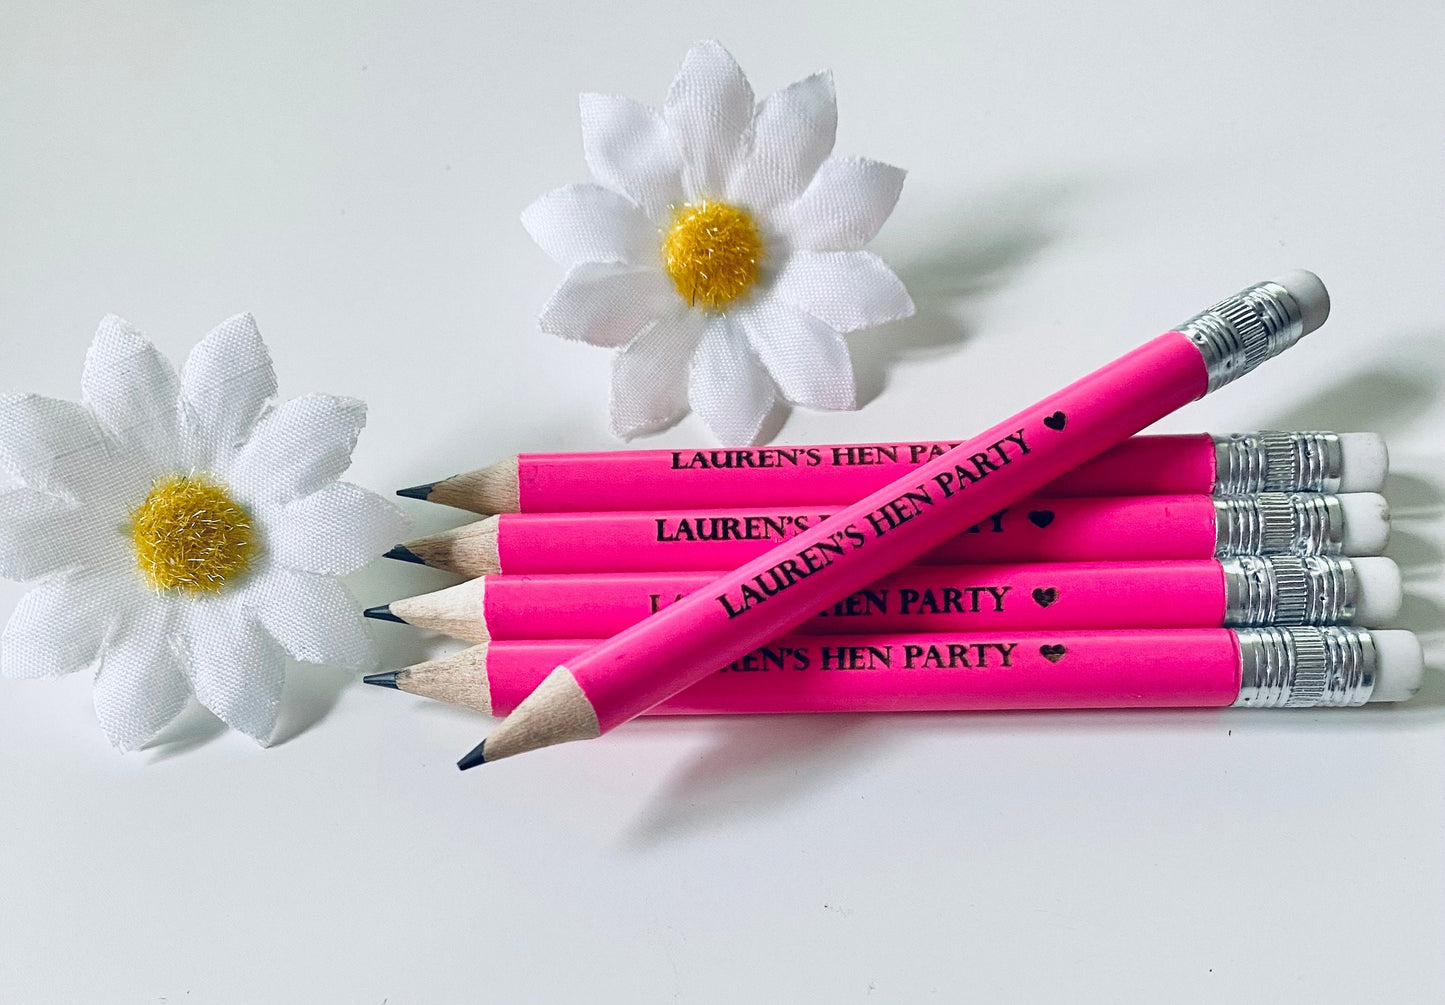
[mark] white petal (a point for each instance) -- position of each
(333, 531)
(60, 625)
(607, 304)
(54, 446)
(588, 223)
(236, 669)
(134, 393)
(140, 685)
(226, 383)
(846, 290)
(807, 360)
(792, 135)
(649, 377)
(710, 111)
(297, 448)
(313, 617)
(629, 147)
(39, 533)
(727, 386)
(847, 202)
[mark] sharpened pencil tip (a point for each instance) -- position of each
(417, 491)
(476, 756)
(382, 613)
(387, 679)
(404, 554)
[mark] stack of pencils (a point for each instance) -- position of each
(1119, 585)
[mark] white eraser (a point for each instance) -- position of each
(1399, 665)
(1380, 591)
(1366, 523)
(1310, 294)
(1364, 462)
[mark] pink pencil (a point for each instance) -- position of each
(1249, 668)
(837, 474)
(1080, 529)
(617, 679)
(1281, 590)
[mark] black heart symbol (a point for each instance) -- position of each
(1044, 597)
(1052, 653)
(1056, 421)
(1041, 517)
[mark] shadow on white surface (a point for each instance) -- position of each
(193, 729)
(310, 695)
(1413, 497)
(1382, 398)
(1379, 401)
(1416, 508)
(1418, 557)
(966, 253)
(756, 765)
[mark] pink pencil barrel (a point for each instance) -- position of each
(764, 598)
(615, 680)
(929, 673)
(798, 476)
(1040, 529)
(917, 599)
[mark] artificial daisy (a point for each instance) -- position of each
(185, 533)
(721, 251)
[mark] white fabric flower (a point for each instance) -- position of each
(187, 534)
(721, 251)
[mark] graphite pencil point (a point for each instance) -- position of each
(488, 490)
(477, 755)
(382, 613)
(404, 554)
(456, 610)
(387, 679)
(470, 549)
(459, 678)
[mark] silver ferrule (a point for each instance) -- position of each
(1241, 332)
(1288, 590)
(1277, 462)
(1305, 667)
(1278, 523)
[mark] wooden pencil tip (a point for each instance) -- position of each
(404, 554)
(382, 613)
(387, 679)
(477, 755)
(417, 491)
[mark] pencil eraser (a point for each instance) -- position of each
(1380, 591)
(1310, 294)
(1366, 523)
(1364, 462)
(1399, 665)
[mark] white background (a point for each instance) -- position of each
(1080, 179)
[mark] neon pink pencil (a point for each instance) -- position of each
(837, 474)
(1249, 590)
(1082, 529)
(627, 674)
(1250, 668)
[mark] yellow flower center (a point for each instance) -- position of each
(190, 535)
(712, 251)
